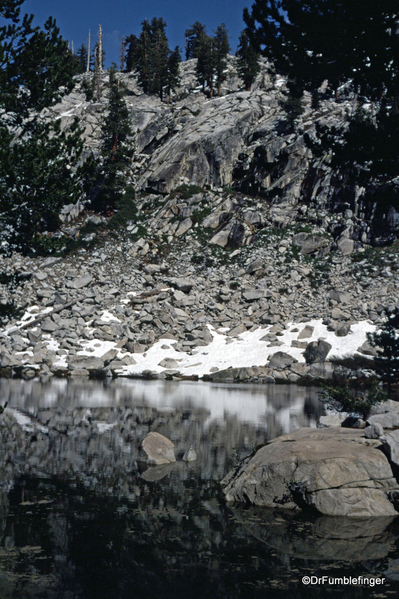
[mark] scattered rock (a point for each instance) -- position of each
(316, 351)
(159, 449)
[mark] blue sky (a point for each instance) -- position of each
(123, 17)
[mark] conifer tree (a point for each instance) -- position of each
(81, 55)
(386, 340)
(172, 78)
(38, 65)
(116, 148)
(143, 63)
(221, 49)
(150, 57)
(247, 60)
(193, 35)
(38, 161)
(159, 56)
(205, 66)
(132, 53)
(320, 40)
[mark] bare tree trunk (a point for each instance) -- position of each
(88, 52)
(123, 54)
(100, 48)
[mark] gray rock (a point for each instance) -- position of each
(190, 455)
(281, 360)
(391, 446)
(345, 245)
(253, 296)
(86, 363)
(374, 431)
(159, 449)
(317, 351)
(306, 332)
(184, 285)
(312, 244)
(48, 326)
(169, 363)
(83, 281)
(367, 350)
(334, 470)
(342, 297)
(331, 420)
(343, 330)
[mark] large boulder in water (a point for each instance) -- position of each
(159, 449)
(336, 471)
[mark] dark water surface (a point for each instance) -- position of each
(89, 520)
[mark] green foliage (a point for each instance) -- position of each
(186, 191)
(116, 151)
(324, 40)
(37, 179)
(41, 68)
(343, 399)
(247, 60)
(193, 35)
(211, 53)
(386, 340)
(126, 211)
(81, 56)
(38, 161)
(149, 56)
(221, 49)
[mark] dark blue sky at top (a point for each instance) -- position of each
(124, 17)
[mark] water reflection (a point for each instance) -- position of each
(82, 517)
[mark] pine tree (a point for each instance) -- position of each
(320, 40)
(38, 161)
(205, 68)
(43, 66)
(159, 55)
(221, 49)
(143, 63)
(132, 53)
(172, 78)
(81, 55)
(387, 342)
(247, 60)
(37, 179)
(150, 57)
(116, 149)
(193, 35)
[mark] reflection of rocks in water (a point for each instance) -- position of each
(158, 472)
(102, 445)
(325, 538)
(173, 538)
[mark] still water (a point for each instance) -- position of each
(83, 517)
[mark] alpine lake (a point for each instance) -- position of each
(82, 516)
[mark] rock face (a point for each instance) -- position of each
(159, 449)
(333, 470)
